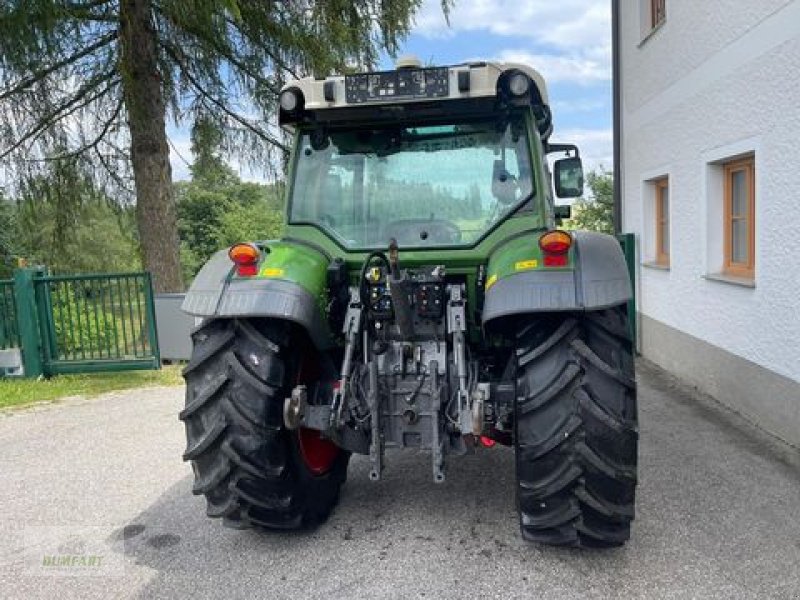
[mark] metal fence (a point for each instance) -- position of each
(80, 323)
(628, 243)
(9, 335)
(99, 317)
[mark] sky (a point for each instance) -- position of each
(568, 41)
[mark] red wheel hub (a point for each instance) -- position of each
(318, 453)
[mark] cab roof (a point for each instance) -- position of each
(470, 84)
(483, 77)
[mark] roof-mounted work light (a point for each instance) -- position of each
(519, 84)
(291, 100)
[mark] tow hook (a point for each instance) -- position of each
(294, 407)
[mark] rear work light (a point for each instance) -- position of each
(555, 245)
(245, 257)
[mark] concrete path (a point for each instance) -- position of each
(718, 516)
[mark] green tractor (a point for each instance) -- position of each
(422, 297)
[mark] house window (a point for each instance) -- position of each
(658, 12)
(739, 218)
(661, 187)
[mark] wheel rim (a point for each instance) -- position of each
(318, 453)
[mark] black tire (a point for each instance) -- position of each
(245, 462)
(576, 429)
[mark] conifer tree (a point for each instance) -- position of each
(97, 81)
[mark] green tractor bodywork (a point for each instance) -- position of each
(511, 250)
(414, 270)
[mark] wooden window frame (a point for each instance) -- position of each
(661, 219)
(658, 12)
(744, 269)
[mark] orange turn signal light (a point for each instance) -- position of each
(245, 257)
(555, 242)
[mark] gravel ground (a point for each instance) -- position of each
(717, 516)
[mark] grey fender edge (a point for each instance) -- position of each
(600, 280)
(212, 295)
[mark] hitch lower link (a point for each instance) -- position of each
(328, 418)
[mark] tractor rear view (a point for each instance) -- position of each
(422, 298)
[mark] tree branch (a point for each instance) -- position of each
(219, 49)
(42, 73)
(85, 5)
(83, 11)
(96, 141)
(278, 61)
(238, 118)
(247, 71)
(70, 107)
(112, 173)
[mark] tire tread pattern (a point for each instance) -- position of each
(576, 432)
(246, 464)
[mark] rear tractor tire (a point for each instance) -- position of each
(250, 468)
(576, 429)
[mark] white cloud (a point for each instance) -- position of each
(564, 24)
(577, 33)
(559, 68)
(596, 146)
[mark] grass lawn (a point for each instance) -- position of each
(18, 392)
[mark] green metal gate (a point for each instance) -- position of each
(80, 323)
(628, 243)
(9, 336)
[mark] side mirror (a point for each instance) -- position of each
(563, 211)
(569, 177)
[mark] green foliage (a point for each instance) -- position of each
(100, 241)
(221, 64)
(595, 213)
(62, 221)
(250, 222)
(98, 331)
(8, 237)
(217, 209)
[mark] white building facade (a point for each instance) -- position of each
(709, 167)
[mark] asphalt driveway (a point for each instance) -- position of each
(718, 516)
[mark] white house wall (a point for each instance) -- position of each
(717, 80)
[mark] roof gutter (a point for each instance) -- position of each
(616, 76)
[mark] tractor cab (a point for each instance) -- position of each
(430, 157)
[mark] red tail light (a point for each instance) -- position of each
(555, 260)
(245, 257)
(487, 441)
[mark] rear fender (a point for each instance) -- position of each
(518, 282)
(290, 285)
